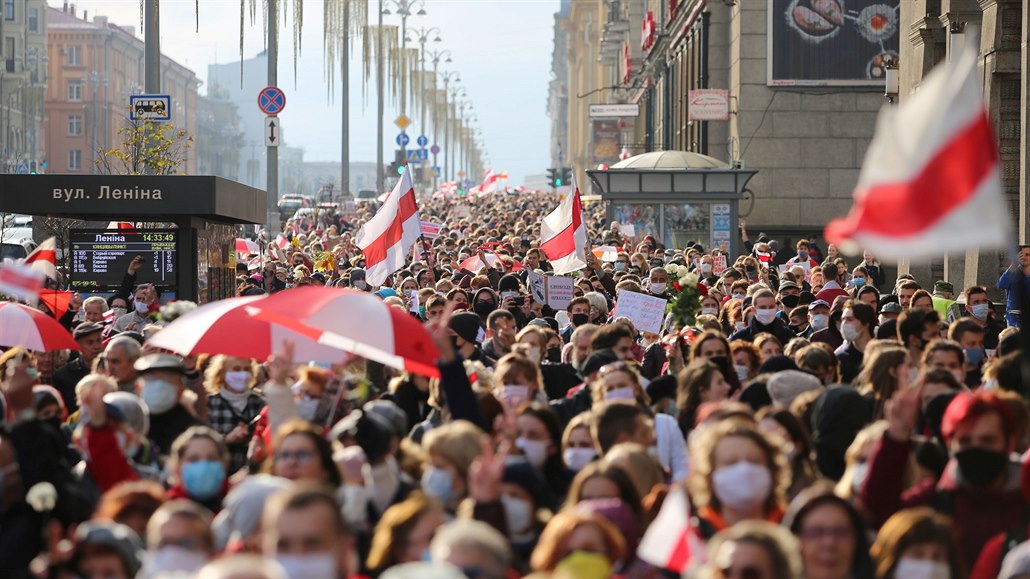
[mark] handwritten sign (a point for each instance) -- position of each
(431, 230)
(645, 311)
(555, 291)
(628, 230)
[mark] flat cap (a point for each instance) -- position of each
(85, 329)
(152, 362)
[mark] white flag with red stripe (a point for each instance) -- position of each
(20, 281)
(564, 235)
(931, 181)
(44, 258)
(670, 542)
(387, 237)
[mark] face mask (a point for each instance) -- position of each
(360, 285)
(638, 265)
(802, 256)
(307, 407)
(535, 451)
(583, 564)
(519, 514)
(742, 485)
(438, 483)
(820, 321)
(850, 332)
(237, 381)
(980, 466)
(554, 355)
(658, 288)
(119, 311)
(141, 308)
(858, 281)
(742, 371)
(160, 395)
(765, 317)
(580, 319)
(620, 394)
(979, 311)
(922, 569)
(484, 309)
(514, 394)
(859, 472)
(709, 311)
(620, 265)
(203, 479)
(738, 296)
(172, 561)
(306, 566)
(738, 326)
(974, 356)
(534, 355)
(577, 458)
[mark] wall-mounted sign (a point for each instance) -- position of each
(709, 104)
(618, 110)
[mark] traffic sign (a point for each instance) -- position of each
(417, 155)
(434, 149)
(436, 170)
(422, 141)
(271, 100)
(23, 168)
(403, 140)
(273, 132)
(150, 107)
(402, 122)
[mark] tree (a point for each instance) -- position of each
(146, 148)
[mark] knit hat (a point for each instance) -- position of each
(243, 505)
(468, 326)
(787, 385)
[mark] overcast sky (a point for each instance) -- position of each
(501, 48)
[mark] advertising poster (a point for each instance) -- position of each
(606, 141)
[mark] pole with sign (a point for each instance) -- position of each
(272, 101)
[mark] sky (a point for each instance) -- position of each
(500, 48)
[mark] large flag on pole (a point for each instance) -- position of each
(388, 236)
(44, 258)
(564, 235)
(931, 180)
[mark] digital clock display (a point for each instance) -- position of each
(100, 259)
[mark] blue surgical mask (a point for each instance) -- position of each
(802, 255)
(620, 265)
(858, 281)
(979, 311)
(974, 356)
(439, 484)
(203, 479)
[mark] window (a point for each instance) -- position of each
(75, 90)
(75, 159)
(8, 10)
(9, 48)
(74, 55)
(74, 125)
(33, 19)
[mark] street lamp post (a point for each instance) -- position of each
(447, 78)
(449, 147)
(436, 56)
(403, 8)
(422, 34)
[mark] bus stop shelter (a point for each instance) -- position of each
(205, 211)
(677, 196)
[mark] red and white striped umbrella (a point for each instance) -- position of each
(475, 264)
(28, 327)
(225, 327)
(354, 321)
(246, 247)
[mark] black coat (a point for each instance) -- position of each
(165, 428)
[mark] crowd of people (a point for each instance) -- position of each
(817, 421)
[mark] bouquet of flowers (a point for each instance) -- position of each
(686, 297)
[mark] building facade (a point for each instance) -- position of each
(219, 140)
(94, 67)
(23, 83)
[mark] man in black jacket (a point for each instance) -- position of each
(66, 377)
(764, 320)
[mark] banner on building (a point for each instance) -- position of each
(828, 42)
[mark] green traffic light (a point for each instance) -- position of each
(557, 182)
(400, 170)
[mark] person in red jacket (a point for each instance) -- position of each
(102, 436)
(980, 486)
(988, 564)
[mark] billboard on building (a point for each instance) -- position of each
(606, 141)
(831, 42)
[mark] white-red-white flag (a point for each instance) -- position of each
(931, 181)
(44, 258)
(670, 542)
(20, 281)
(387, 237)
(564, 236)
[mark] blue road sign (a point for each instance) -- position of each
(436, 170)
(23, 168)
(422, 141)
(403, 140)
(271, 100)
(417, 155)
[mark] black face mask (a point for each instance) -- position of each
(981, 466)
(580, 319)
(554, 355)
(484, 308)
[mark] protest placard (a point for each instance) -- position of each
(431, 230)
(554, 290)
(646, 312)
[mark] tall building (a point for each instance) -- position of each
(239, 84)
(219, 140)
(94, 67)
(23, 82)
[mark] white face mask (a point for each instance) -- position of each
(620, 394)
(237, 380)
(706, 268)
(849, 332)
(513, 395)
(535, 451)
(820, 321)
(306, 566)
(709, 311)
(577, 458)
(765, 317)
(910, 568)
(658, 288)
(742, 371)
(141, 308)
(307, 407)
(858, 474)
(160, 395)
(742, 485)
(519, 514)
(172, 561)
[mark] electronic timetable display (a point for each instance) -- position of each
(100, 259)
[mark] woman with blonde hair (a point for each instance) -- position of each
(885, 370)
(917, 542)
(451, 449)
(233, 403)
(404, 532)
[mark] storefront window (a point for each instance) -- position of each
(686, 222)
(643, 217)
